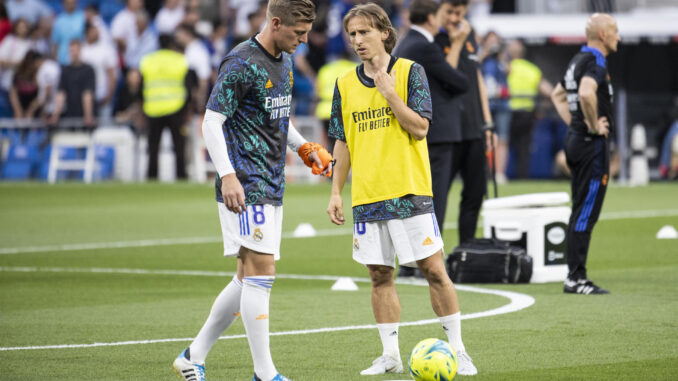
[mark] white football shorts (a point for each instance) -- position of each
(258, 229)
(410, 239)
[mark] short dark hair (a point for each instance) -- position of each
(187, 28)
(166, 41)
(455, 3)
(421, 9)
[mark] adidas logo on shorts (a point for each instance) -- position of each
(428, 241)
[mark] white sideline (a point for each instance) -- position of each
(517, 302)
(286, 235)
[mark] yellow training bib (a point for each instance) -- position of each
(387, 162)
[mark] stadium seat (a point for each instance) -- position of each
(115, 153)
(70, 141)
(105, 162)
(19, 161)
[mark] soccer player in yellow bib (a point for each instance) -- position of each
(380, 116)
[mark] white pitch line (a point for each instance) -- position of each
(633, 214)
(286, 235)
(517, 302)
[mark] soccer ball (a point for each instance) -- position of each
(433, 360)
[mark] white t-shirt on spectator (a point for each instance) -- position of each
(198, 58)
(104, 32)
(243, 9)
(124, 27)
(48, 75)
(101, 56)
(12, 49)
(167, 19)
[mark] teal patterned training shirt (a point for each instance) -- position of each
(254, 92)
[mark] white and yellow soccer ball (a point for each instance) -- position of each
(433, 360)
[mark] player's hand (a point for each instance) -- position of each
(385, 83)
(458, 33)
(334, 209)
(603, 126)
(317, 158)
(233, 194)
(322, 165)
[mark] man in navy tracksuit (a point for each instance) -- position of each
(584, 100)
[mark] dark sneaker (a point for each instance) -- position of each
(582, 286)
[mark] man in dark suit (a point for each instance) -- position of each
(463, 150)
(453, 146)
(446, 83)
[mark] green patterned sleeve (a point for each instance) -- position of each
(418, 93)
(231, 86)
(336, 129)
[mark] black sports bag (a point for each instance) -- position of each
(483, 260)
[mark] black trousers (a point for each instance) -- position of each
(589, 160)
(155, 126)
(520, 136)
(448, 159)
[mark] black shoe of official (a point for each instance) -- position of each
(582, 286)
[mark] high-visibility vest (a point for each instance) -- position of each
(327, 77)
(164, 73)
(523, 81)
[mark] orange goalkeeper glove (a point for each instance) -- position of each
(305, 152)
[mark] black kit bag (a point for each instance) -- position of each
(483, 260)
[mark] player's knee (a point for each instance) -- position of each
(381, 275)
(436, 275)
(434, 271)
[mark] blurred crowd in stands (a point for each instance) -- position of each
(78, 61)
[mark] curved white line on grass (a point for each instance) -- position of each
(286, 235)
(517, 302)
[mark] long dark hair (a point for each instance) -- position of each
(27, 69)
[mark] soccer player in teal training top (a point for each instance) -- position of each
(246, 130)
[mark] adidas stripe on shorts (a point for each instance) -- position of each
(258, 229)
(409, 239)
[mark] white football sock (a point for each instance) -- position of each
(225, 310)
(389, 339)
(254, 303)
(452, 326)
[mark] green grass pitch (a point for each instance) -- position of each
(49, 295)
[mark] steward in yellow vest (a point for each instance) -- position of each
(164, 76)
(523, 81)
(164, 73)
